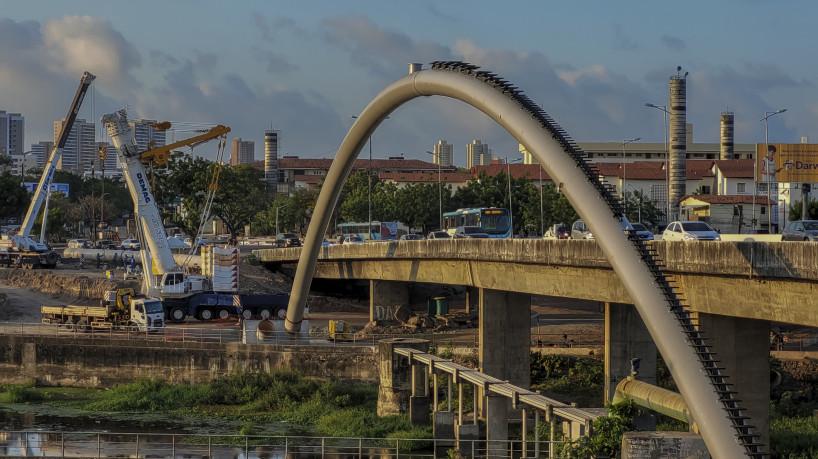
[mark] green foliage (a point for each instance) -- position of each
(14, 198)
(149, 395)
(353, 422)
(794, 211)
(19, 394)
(794, 438)
(565, 374)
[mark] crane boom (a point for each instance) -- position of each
(159, 156)
(54, 157)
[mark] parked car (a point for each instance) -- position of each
(78, 244)
(470, 232)
(287, 240)
(438, 235)
(131, 244)
(642, 232)
(411, 237)
(690, 231)
(199, 241)
(105, 244)
(580, 231)
(353, 240)
(801, 230)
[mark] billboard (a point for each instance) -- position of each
(31, 186)
(787, 162)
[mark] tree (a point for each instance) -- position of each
(5, 162)
(242, 194)
(14, 198)
(640, 208)
(355, 204)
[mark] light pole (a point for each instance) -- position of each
(542, 220)
(767, 166)
(663, 108)
(439, 185)
(279, 207)
(624, 199)
(369, 185)
(510, 206)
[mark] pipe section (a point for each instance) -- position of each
(654, 398)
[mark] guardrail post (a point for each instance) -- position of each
(286, 446)
(549, 417)
(322, 446)
(246, 446)
(536, 433)
(137, 445)
(99, 445)
(173, 446)
(62, 443)
(525, 433)
(209, 452)
(360, 448)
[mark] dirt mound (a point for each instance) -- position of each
(258, 279)
(65, 285)
(412, 323)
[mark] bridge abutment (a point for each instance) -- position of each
(398, 381)
(626, 337)
(384, 297)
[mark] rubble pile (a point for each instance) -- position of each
(407, 321)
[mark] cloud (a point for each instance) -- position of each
(623, 41)
(674, 43)
(275, 63)
(597, 72)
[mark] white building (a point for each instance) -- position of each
(477, 154)
(12, 127)
(444, 154)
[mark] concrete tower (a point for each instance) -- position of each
(271, 139)
(726, 151)
(678, 140)
(444, 153)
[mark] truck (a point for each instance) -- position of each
(119, 310)
(209, 294)
(20, 250)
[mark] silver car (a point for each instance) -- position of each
(470, 232)
(801, 230)
(690, 231)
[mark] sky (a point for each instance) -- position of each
(306, 67)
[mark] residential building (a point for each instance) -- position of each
(80, 150)
(12, 129)
(477, 154)
(145, 132)
(41, 150)
(242, 152)
(444, 154)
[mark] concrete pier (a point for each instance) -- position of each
(626, 338)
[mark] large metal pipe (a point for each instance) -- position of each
(526, 125)
(654, 398)
(109, 256)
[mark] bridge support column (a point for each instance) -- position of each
(396, 382)
(385, 297)
(496, 426)
(743, 347)
(505, 336)
(419, 404)
(626, 338)
(472, 298)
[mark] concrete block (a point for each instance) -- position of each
(395, 375)
(467, 437)
(674, 445)
(443, 425)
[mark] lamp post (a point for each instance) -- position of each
(369, 185)
(542, 220)
(663, 108)
(769, 182)
(439, 184)
(624, 200)
(510, 206)
(277, 208)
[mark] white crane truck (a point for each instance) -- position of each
(203, 296)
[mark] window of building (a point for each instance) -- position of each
(705, 189)
(741, 187)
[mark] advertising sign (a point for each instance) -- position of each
(31, 186)
(787, 162)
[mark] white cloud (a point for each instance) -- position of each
(596, 72)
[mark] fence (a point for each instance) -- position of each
(138, 445)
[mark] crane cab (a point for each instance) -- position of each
(177, 282)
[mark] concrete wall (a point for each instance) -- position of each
(104, 363)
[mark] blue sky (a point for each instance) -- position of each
(306, 67)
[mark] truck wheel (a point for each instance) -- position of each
(82, 326)
(206, 314)
(265, 312)
(224, 313)
(177, 314)
(246, 314)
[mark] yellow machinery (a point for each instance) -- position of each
(338, 330)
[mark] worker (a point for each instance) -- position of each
(99, 259)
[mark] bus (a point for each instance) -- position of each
(494, 220)
(378, 231)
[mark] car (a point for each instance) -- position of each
(105, 244)
(288, 240)
(690, 231)
(642, 232)
(411, 237)
(131, 244)
(801, 230)
(580, 231)
(78, 244)
(199, 241)
(439, 235)
(470, 232)
(353, 240)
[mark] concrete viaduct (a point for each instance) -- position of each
(736, 289)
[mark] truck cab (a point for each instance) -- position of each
(147, 314)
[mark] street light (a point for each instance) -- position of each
(279, 207)
(542, 220)
(624, 200)
(755, 163)
(510, 206)
(439, 184)
(667, 159)
(369, 185)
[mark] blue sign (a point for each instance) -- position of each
(63, 187)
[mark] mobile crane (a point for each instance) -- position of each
(20, 249)
(204, 296)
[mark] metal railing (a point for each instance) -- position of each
(139, 445)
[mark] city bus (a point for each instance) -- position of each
(494, 220)
(378, 230)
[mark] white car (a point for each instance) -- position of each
(690, 231)
(131, 244)
(353, 240)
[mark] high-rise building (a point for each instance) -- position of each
(444, 153)
(242, 152)
(271, 140)
(80, 147)
(528, 158)
(41, 151)
(12, 126)
(145, 132)
(477, 154)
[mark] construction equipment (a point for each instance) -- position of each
(214, 292)
(20, 249)
(120, 310)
